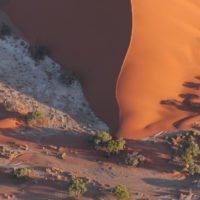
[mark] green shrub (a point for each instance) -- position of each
(190, 156)
(186, 151)
(21, 173)
(121, 192)
(101, 138)
(194, 169)
(194, 148)
(77, 188)
(35, 118)
(191, 151)
(187, 158)
(104, 141)
(114, 146)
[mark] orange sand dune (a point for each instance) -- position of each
(92, 37)
(164, 53)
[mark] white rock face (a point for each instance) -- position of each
(39, 86)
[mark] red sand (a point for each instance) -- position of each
(9, 123)
(163, 54)
(91, 38)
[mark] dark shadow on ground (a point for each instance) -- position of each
(50, 188)
(174, 186)
(78, 145)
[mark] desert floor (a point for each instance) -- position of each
(26, 86)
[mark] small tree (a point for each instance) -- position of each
(21, 173)
(35, 118)
(190, 156)
(104, 141)
(114, 146)
(191, 152)
(77, 188)
(121, 192)
(101, 138)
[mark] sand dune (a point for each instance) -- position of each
(154, 85)
(164, 54)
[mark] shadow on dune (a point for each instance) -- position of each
(88, 37)
(190, 102)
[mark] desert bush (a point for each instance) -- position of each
(134, 159)
(77, 188)
(21, 173)
(190, 156)
(101, 138)
(192, 150)
(186, 151)
(187, 158)
(2, 149)
(4, 30)
(194, 169)
(104, 141)
(35, 118)
(121, 192)
(38, 52)
(114, 146)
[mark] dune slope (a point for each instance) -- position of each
(156, 86)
